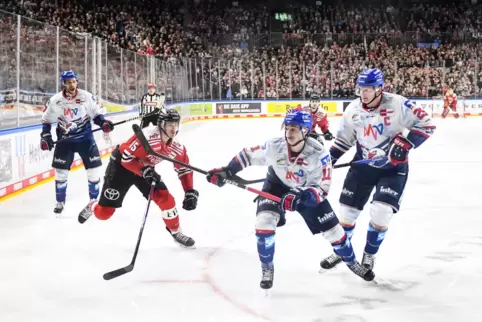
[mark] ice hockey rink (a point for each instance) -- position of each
(51, 268)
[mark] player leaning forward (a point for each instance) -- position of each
(374, 123)
(73, 109)
(300, 173)
(130, 165)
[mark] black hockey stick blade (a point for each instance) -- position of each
(118, 272)
(145, 144)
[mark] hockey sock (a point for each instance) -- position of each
(60, 190)
(266, 243)
(374, 239)
(93, 190)
(344, 249)
(171, 219)
(349, 230)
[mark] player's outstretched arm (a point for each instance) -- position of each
(247, 157)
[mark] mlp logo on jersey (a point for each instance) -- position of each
(71, 112)
(373, 130)
(295, 176)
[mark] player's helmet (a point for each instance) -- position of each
(314, 100)
(300, 118)
(371, 77)
(170, 115)
(68, 74)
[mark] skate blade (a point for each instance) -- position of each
(326, 270)
(186, 247)
(387, 284)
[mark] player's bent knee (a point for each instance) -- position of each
(348, 215)
(93, 175)
(381, 214)
(61, 175)
(103, 213)
(335, 234)
(163, 199)
(266, 221)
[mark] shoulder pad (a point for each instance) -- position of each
(314, 144)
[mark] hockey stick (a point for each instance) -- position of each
(342, 165)
(240, 184)
(77, 135)
(130, 267)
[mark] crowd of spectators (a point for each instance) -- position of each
(216, 46)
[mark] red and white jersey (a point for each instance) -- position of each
(450, 99)
(320, 119)
(134, 157)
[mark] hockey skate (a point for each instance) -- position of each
(267, 276)
(86, 212)
(59, 207)
(181, 239)
(331, 261)
(365, 273)
(368, 260)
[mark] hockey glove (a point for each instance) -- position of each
(308, 197)
(46, 142)
(190, 200)
(328, 136)
(107, 126)
(68, 128)
(398, 153)
(218, 175)
(289, 202)
(150, 174)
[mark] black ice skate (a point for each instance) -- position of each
(368, 260)
(331, 261)
(363, 272)
(181, 239)
(59, 207)
(86, 212)
(267, 276)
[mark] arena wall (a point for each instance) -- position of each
(23, 165)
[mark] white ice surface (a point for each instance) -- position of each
(51, 269)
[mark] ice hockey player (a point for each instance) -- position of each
(300, 174)
(374, 123)
(130, 165)
(450, 103)
(73, 109)
(151, 105)
(320, 119)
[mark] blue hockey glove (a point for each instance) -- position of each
(46, 142)
(107, 126)
(398, 153)
(218, 175)
(308, 197)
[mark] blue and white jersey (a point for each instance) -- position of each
(375, 129)
(80, 109)
(311, 168)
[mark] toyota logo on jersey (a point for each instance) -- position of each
(111, 194)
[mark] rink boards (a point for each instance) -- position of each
(24, 165)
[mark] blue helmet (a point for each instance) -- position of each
(300, 118)
(371, 77)
(67, 75)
